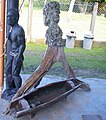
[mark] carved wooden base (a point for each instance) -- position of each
(53, 54)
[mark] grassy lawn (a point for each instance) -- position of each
(85, 63)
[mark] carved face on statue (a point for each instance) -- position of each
(54, 33)
(51, 13)
(12, 17)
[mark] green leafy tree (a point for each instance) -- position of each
(98, 0)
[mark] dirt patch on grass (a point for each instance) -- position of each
(59, 71)
(85, 73)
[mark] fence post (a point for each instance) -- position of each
(93, 19)
(2, 39)
(29, 22)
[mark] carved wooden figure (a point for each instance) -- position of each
(54, 53)
(14, 58)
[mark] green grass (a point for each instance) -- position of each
(90, 62)
(89, 59)
(33, 54)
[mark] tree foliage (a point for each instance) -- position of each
(98, 0)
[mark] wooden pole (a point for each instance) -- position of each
(2, 39)
(93, 19)
(29, 22)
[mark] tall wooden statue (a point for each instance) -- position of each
(14, 58)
